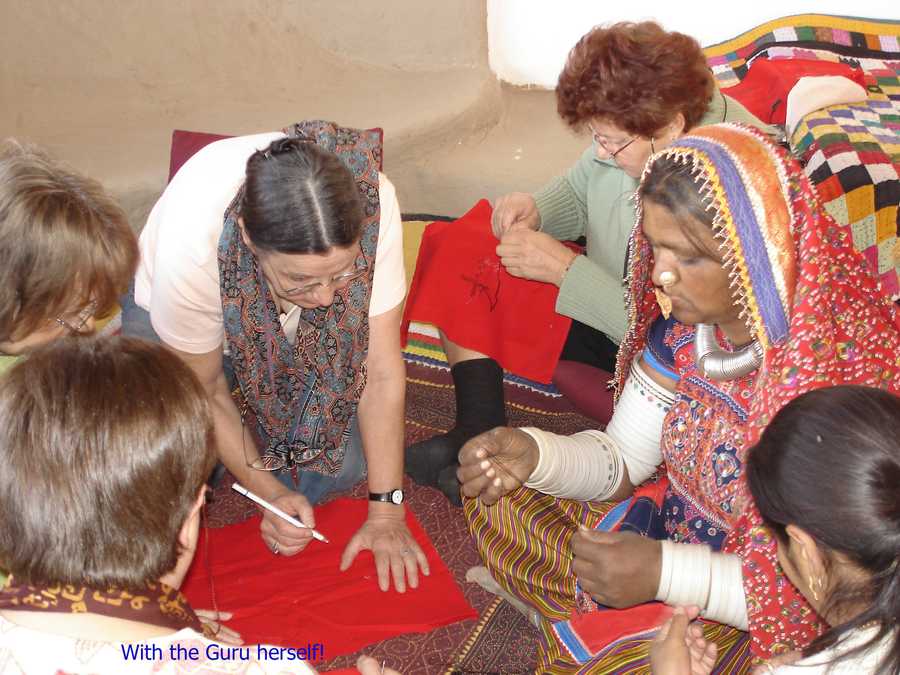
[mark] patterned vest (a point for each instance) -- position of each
(301, 398)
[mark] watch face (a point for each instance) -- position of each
(397, 496)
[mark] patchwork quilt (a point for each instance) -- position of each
(851, 152)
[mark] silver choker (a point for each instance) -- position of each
(717, 364)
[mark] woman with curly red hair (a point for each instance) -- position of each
(636, 88)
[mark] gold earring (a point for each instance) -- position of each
(812, 588)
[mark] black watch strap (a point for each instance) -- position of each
(392, 497)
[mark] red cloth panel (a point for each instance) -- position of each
(305, 599)
(765, 88)
(461, 287)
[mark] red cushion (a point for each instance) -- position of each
(586, 388)
(185, 144)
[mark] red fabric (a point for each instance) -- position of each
(615, 626)
(765, 87)
(461, 287)
(185, 145)
(305, 599)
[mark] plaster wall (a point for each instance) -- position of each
(102, 83)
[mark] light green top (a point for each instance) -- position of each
(7, 362)
(594, 199)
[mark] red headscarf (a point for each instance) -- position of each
(809, 299)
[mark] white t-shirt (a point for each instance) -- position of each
(177, 279)
(25, 651)
(821, 663)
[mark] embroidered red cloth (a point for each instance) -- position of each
(305, 599)
(461, 287)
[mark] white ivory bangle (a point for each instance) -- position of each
(691, 574)
(585, 466)
(727, 602)
(684, 574)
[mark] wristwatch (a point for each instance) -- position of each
(392, 497)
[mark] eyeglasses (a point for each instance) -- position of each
(76, 324)
(274, 459)
(598, 139)
(337, 283)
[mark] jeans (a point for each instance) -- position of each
(312, 485)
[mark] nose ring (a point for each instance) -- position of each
(667, 278)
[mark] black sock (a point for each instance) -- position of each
(480, 404)
(479, 407)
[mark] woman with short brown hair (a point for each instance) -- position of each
(636, 75)
(66, 251)
(105, 445)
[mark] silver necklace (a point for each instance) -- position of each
(717, 364)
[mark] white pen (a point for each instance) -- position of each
(278, 512)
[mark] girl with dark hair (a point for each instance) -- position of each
(635, 88)
(742, 295)
(273, 265)
(825, 477)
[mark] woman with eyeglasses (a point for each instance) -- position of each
(273, 266)
(635, 87)
(66, 251)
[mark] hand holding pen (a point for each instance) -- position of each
(283, 533)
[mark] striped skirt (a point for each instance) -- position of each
(524, 540)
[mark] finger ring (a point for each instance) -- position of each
(404, 551)
(275, 547)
